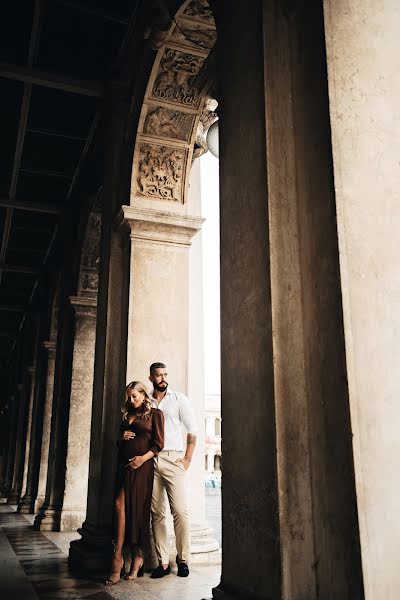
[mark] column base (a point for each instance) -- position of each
(92, 553)
(26, 505)
(5, 492)
(71, 520)
(48, 519)
(204, 549)
(13, 498)
(38, 504)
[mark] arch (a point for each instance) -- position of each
(175, 113)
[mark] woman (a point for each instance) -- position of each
(142, 437)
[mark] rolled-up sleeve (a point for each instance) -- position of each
(187, 415)
(157, 431)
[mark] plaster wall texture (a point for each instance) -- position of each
(364, 88)
(158, 321)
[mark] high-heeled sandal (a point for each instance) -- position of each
(115, 571)
(140, 573)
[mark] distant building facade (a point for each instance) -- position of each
(213, 433)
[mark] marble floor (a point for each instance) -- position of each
(35, 566)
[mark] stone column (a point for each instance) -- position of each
(77, 463)
(31, 383)
(363, 56)
(13, 411)
(23, 391)
(27, 504)
(50, 347)
(17, 474)
(160, 250)
(93, 551)
(159, 239)
(290, 525)
(10, 445)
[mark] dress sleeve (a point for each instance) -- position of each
(157, 431)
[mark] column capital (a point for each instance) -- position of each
(84, 306)
(161, 227)
(50, 346)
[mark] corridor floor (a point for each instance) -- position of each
(33, 566)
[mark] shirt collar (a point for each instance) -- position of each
(169, 391)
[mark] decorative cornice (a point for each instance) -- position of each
(84, 306)
(50, 346)
(161, 226)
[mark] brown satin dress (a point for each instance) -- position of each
(138, 483)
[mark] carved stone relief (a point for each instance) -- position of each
(207, 118)
(169, 123)
(88, 276)
(174, 81)
(199, 9)
(89, 281)
(194, 34)
(160, 172)
(170, 113)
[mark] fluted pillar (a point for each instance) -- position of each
(50, 347)
(73, 510)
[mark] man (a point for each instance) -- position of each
(170, 472)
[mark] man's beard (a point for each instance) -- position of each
(160, 388)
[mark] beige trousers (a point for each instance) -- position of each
(170, 478)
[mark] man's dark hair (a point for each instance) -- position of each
(157, 365)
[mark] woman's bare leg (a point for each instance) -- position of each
(118, 560)
(120, 522)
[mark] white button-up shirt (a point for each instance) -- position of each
(177, 411)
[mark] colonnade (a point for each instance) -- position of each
(309, 110)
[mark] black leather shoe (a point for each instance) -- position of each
(183, 569)
(160, 572)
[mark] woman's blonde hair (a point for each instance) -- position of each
(145, 409)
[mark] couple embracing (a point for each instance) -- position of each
(151, 462)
